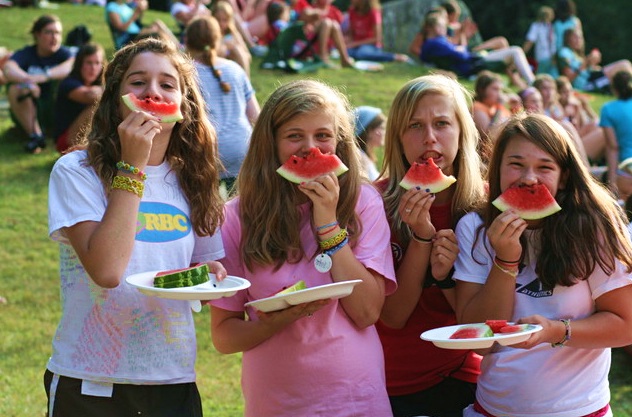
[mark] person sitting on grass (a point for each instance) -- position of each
(438, 50)
(31, 72)
(77, 94)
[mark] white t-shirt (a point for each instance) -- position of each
(120, 335)
(543, 37)
(541, 381)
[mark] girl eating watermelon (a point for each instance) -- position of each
(323, 357)
(142, 195)
(568, 272)
(429, 127)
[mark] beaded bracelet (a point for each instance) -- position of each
(121, 182)
(336, 248)
(420, 239)
(567, 333)
(125, 167)
(334, 241)
(509, 272)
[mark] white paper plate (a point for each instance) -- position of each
(368, 66)
(322, 292)
(209, 290)
(441, 338)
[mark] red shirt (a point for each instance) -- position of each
(412, 364)
(363, 25)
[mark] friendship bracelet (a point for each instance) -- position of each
(567, 333)
(334, 241)
(324, 232)
(512, 274)
(334, 223)
(121, 182)
(420, 239)
(125, 167)
(508, 262)
(336, 248)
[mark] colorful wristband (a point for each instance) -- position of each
(567, 333)
(125, 167)
(121, 182)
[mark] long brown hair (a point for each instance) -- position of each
(203, 37)
(590, 229)
(268, 205)
(469, 188)
(192, 151)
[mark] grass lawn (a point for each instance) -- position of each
(28, 259)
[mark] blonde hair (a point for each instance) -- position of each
(268, 204)
(590, 229)
(469, 188)
(192, 150)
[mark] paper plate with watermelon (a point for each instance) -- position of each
(298, 294)
(479, 335)
(427, 176)
(167, 112)
(211, 289)
(531, 202)
(300, 169)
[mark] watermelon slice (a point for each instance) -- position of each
(300, 285)
(428, 176)
(531, 202)
(496, 325)
(514, 328)
(167, 112)
(185, 277)
(300, 169)
(472, 331)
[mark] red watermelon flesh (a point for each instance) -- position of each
(496, 325)
(472, 331)
(167, 112)
(300, 169)
(531, 202)
(427, 176)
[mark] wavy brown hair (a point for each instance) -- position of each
(192, 150)
(469, 190)
(269, 204)
(591, 228)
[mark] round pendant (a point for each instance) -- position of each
(322, 263)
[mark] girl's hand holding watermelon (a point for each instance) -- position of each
(414, 211)
(136, 133)
(323, 192)
(504, 235)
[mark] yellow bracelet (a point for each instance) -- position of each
(334, 241)
(121, 182)
(512, 274)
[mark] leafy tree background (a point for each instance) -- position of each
(607, 23)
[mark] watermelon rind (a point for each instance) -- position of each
(312, 166)
(179, 278)
(300, 285)
(529, 202)
(427, 176)
(134, 104)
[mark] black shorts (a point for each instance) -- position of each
(127, 400)
(446, 399)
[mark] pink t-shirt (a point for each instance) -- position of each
(320, 365)
(363, 25)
